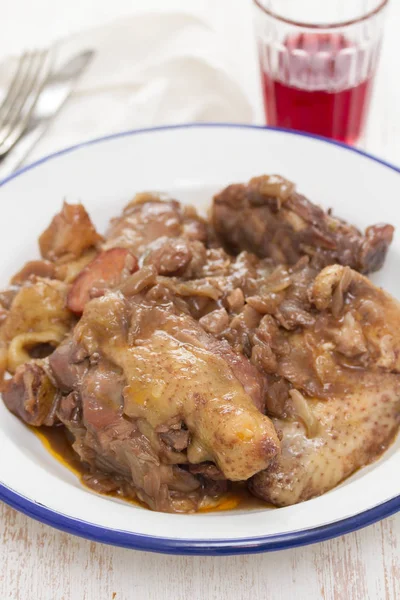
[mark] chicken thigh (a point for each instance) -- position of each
(159, 407)
(343, 406)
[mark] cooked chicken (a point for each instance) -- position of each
(37, 321)
(148, 219)
(31, 395)
(341, 408)
(173, 369)
(151, 390)
(351, 430)
(105, 271)
(324, 343)
(67, 245)
(33, 269)
(69, 234)
(269, 218)
(189, 364)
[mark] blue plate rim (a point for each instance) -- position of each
(216, 125)
(211, 547)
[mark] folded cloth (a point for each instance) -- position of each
(148, 69)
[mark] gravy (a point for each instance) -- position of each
(55, 440)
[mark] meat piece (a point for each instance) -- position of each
(37, 315)
(374, 248)
(216, 282)
(173, 368)
(70, 233)
(362, 322)
(209, 470)
(170, 256)
(38, 307)
(147, 218)
(68, 271)
(105, 271)
(235, 300)
(147, 393)
(7, 297)
(341, 404)
(216, 321)
(31, 396)
(269, 218)
(178, 439)
(33, 269)
(68, 365)
(353, 429)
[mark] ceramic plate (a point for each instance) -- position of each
(191, 163)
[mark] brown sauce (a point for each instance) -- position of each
(56, 442)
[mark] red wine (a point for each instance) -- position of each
(320, 102)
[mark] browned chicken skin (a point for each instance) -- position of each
(344, 394)
(351, 430)
(179, 397)
(324, 343)
(173, 369)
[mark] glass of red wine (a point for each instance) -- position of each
(318, 60)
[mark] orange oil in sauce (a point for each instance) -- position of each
(56, 442)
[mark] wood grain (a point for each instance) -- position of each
(40, 563)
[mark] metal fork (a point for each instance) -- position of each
(30, 77)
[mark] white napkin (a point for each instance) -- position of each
(149, 69)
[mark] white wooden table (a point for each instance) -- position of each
(40, 563)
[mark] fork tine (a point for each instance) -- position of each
(18, 118)
(15, 85)
(23, 89)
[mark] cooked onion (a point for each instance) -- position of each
(143, 278)
(304, 412)
(341, 289)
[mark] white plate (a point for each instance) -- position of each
(190, 162)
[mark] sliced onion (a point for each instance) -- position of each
(304, 412)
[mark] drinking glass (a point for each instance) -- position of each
(318, 59)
